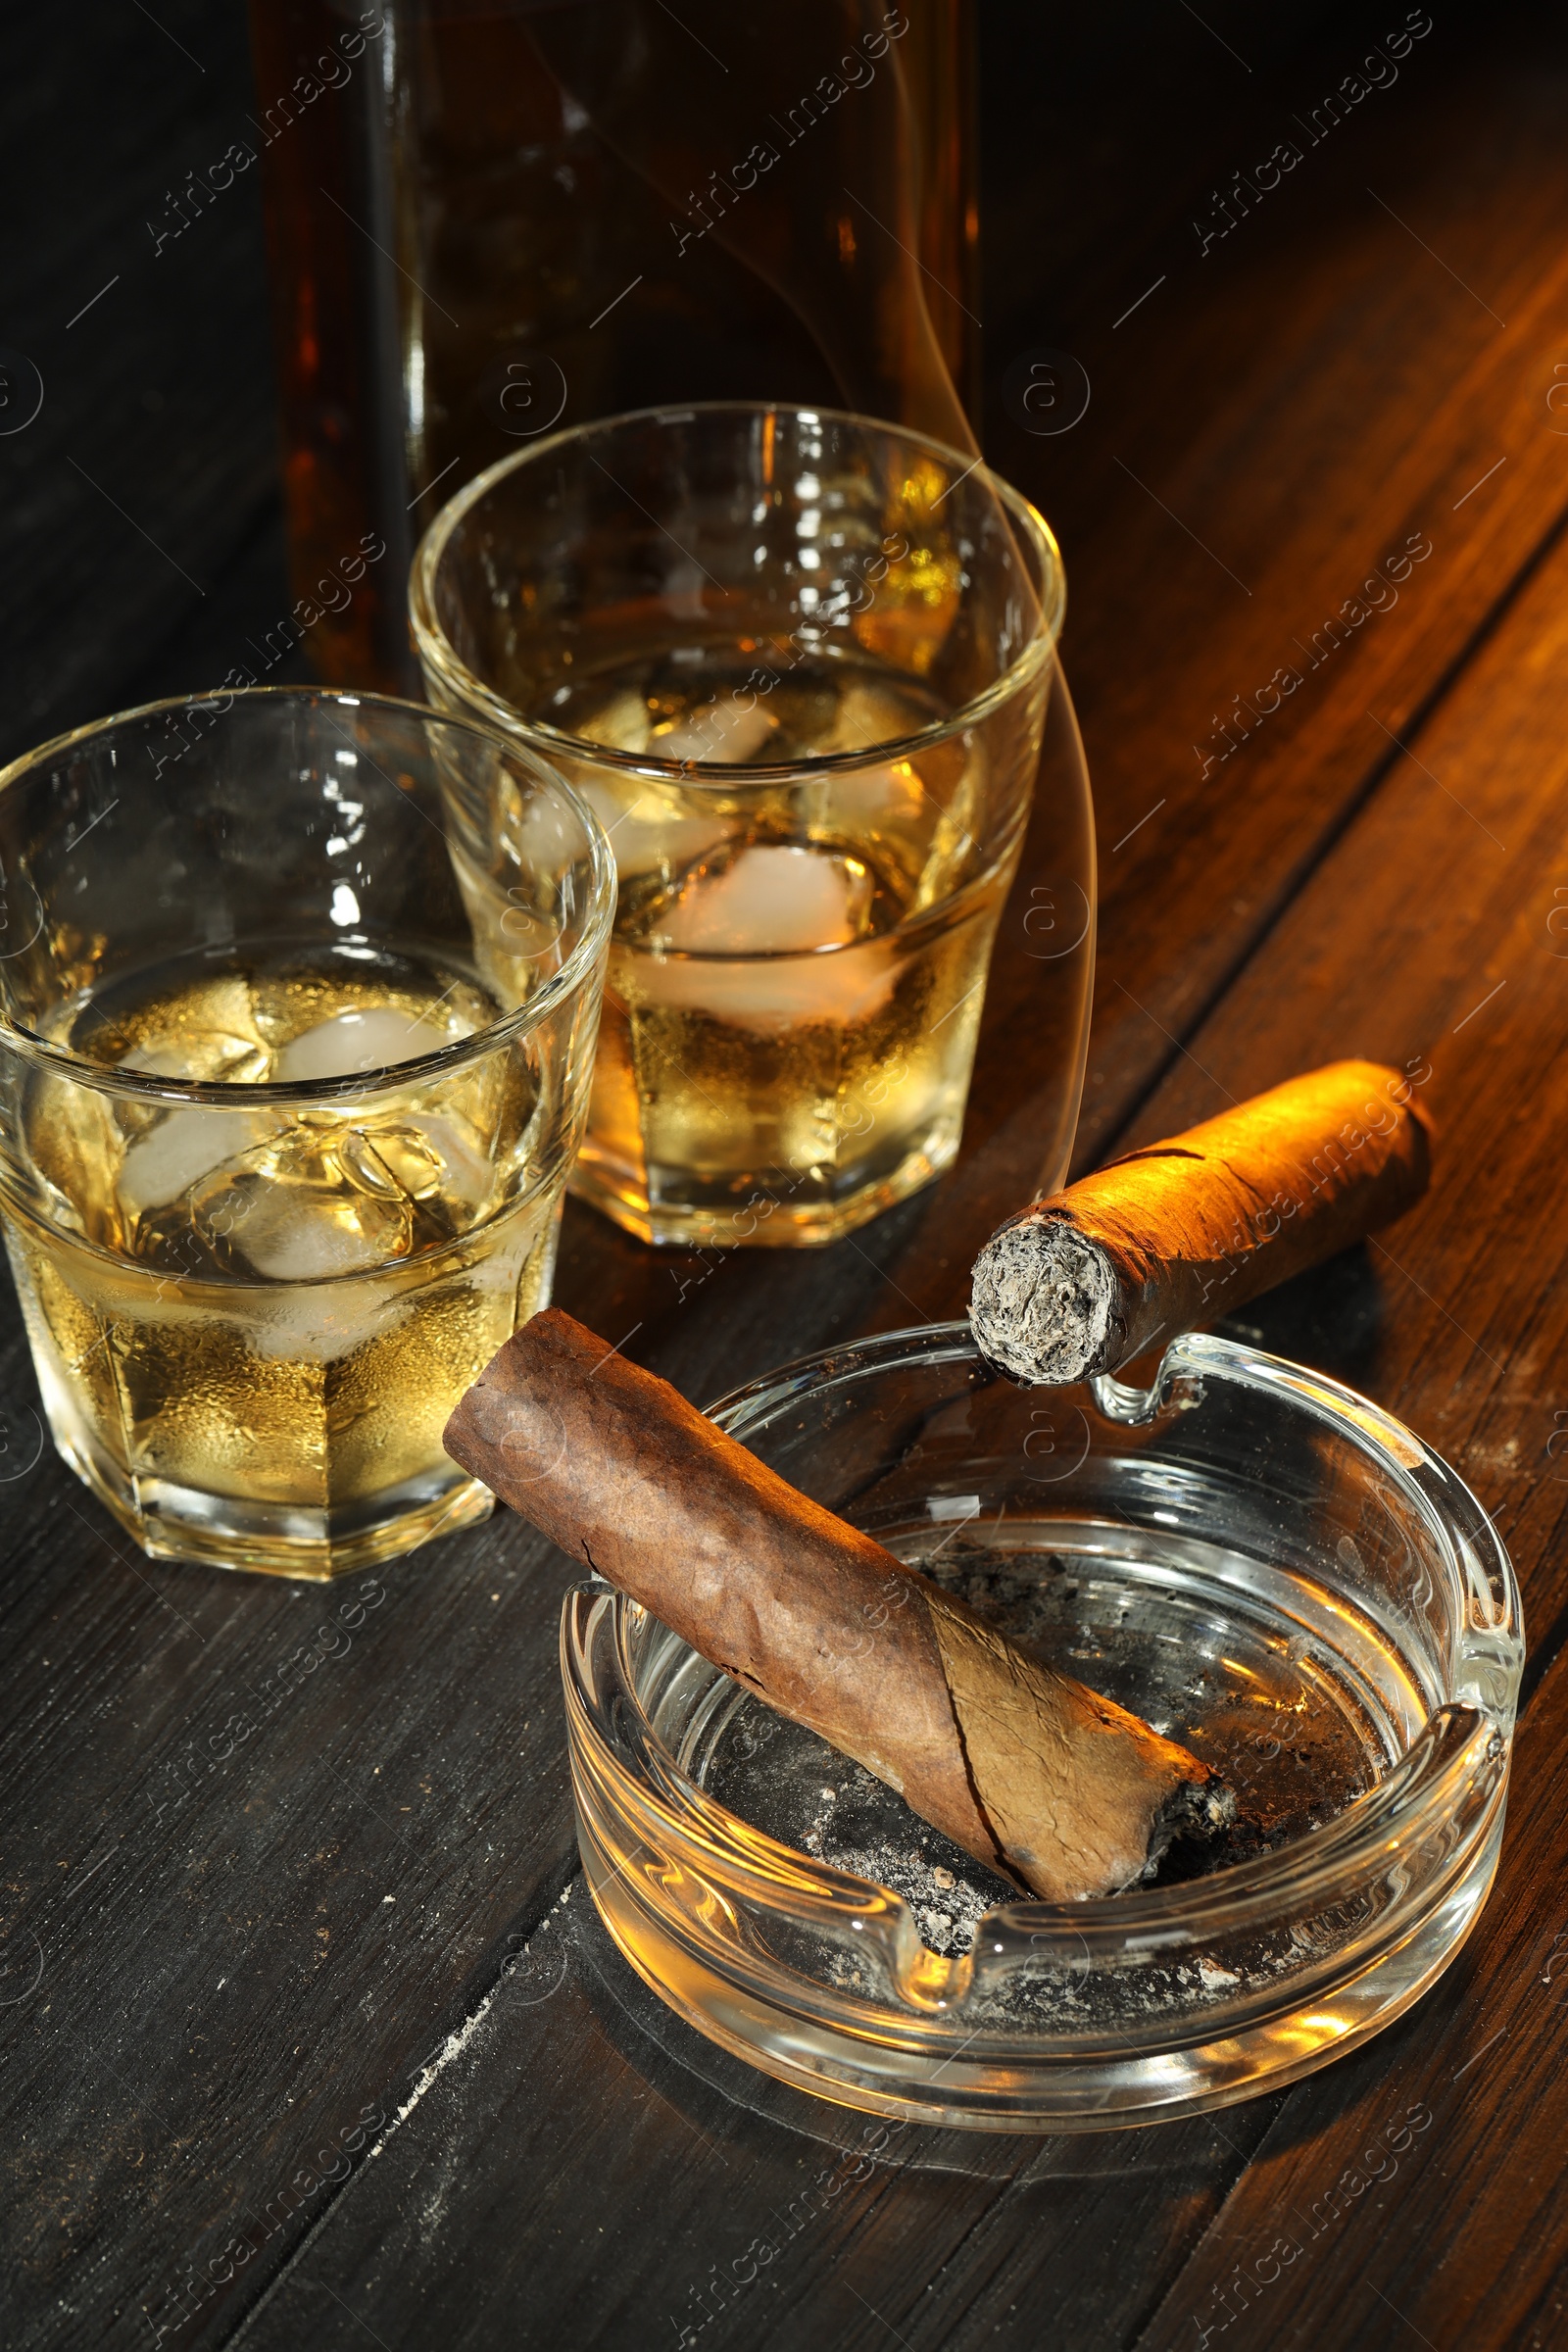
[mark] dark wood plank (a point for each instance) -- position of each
(1303, 398)
(1433, 931)
(264, 1858)
(1432, 934)
(1419, 2187)
(652, 2170)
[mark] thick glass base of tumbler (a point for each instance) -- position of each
(675, 1209)
(179, 1523)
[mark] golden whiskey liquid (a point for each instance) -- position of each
(251, 1324)
(798, 968)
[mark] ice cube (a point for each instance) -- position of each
(428, 1156)
(724, 732)
(623, 724)
(287, 1239)
(75, 1146)
(466, 1173)
(178, 1150)
(784, 910)
(315, 1326)
(372, 1038)
(305, 1207)
(651, 830)
(537, 833)
(868, 715)
(208, 1032)
(776, 899)
(886, 797)
(214, 1058)
(925, 810)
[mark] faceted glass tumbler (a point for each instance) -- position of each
(802, 665)
(298, 994)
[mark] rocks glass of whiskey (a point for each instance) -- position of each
(298, 995)
(799, 664)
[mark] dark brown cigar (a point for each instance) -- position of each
(1058, 1789)
(1184, 1230)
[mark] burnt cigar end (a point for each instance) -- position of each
(1045, 1305)
(1170, 1237)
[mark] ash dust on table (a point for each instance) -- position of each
(1286, 1737)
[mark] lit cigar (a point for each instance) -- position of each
(1184, 1230)
(1050, 1786)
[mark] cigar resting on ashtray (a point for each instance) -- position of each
(1182, 1231)
(1050, 1784)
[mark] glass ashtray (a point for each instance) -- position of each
(1258, 1561)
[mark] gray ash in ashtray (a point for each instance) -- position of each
(1262, 1710)
(788, 1782)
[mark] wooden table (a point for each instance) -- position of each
(307, 2034)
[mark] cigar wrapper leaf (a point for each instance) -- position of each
(1182, 1231)
(1048, 1783)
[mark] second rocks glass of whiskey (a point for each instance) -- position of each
(799, 664)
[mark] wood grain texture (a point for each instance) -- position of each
(205, 1987)
(571, 2178)
(1464, 974)
(265, 1857)
(1418, 2187)
(1459, 971)
(1303, 398)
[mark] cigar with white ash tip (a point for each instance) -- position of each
(1180, 1231)
(1053, 1787)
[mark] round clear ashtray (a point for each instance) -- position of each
(1259, 1561)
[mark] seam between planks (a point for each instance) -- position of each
(483, 1987)
(1296, 880)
